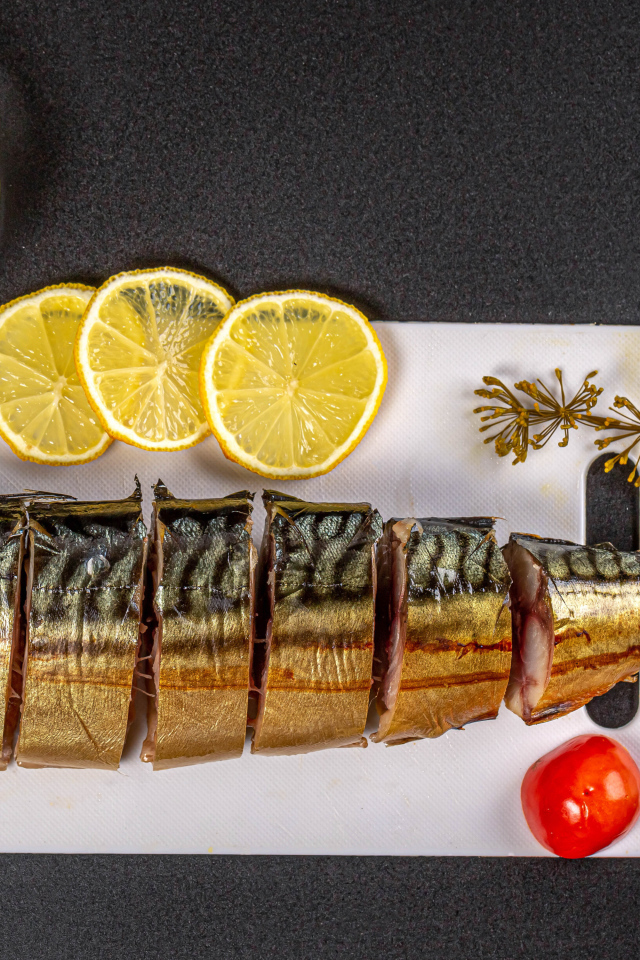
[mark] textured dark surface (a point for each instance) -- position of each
(359, 909)
(612, 515)
(446, 161)
(612, 506)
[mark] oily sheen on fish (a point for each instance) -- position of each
(576, 623)
(12, 521)
(444, 633)
(202, 566)
(318, 583)
(84, 596)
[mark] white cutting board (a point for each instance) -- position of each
(423, 456)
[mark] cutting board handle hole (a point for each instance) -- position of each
(613, 515)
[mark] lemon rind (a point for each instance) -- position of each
(233, 451)
(71, 461)
(26, 452)
(111, 426)
(38, 295)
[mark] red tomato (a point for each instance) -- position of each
(582, 796)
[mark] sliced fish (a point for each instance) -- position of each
(83, 600)
(576, 623)
(318, 584)
(202, 567)
(444, 632)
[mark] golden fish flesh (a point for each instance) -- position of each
(318, 583)
(202, 564)
(84, 595)
(576, 625)
(443, 634)
(12, 520)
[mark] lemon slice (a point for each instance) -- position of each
(138, 354)
(290, 383)
(44, 413)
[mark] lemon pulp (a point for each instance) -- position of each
(44, 414)
(138, 355)
(291, 382)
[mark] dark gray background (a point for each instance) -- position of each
(442, 161)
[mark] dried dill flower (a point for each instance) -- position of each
(509, 415)
(629, 428)
(554, 414)
(515, 419)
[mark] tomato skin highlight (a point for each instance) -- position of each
(581, 796)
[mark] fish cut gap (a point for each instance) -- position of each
(13, 711)
(612, 514)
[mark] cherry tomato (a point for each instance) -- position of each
(581, 796)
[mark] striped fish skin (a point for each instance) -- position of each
(12, 522)
(204, 610)
(84, 595)
(588, 610)
(318, 574)
(444, 635)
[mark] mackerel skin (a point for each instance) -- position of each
(444, 636)
(204, 608)
(84, 594)
(12, 521)
(592, 599)
(318, 578)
